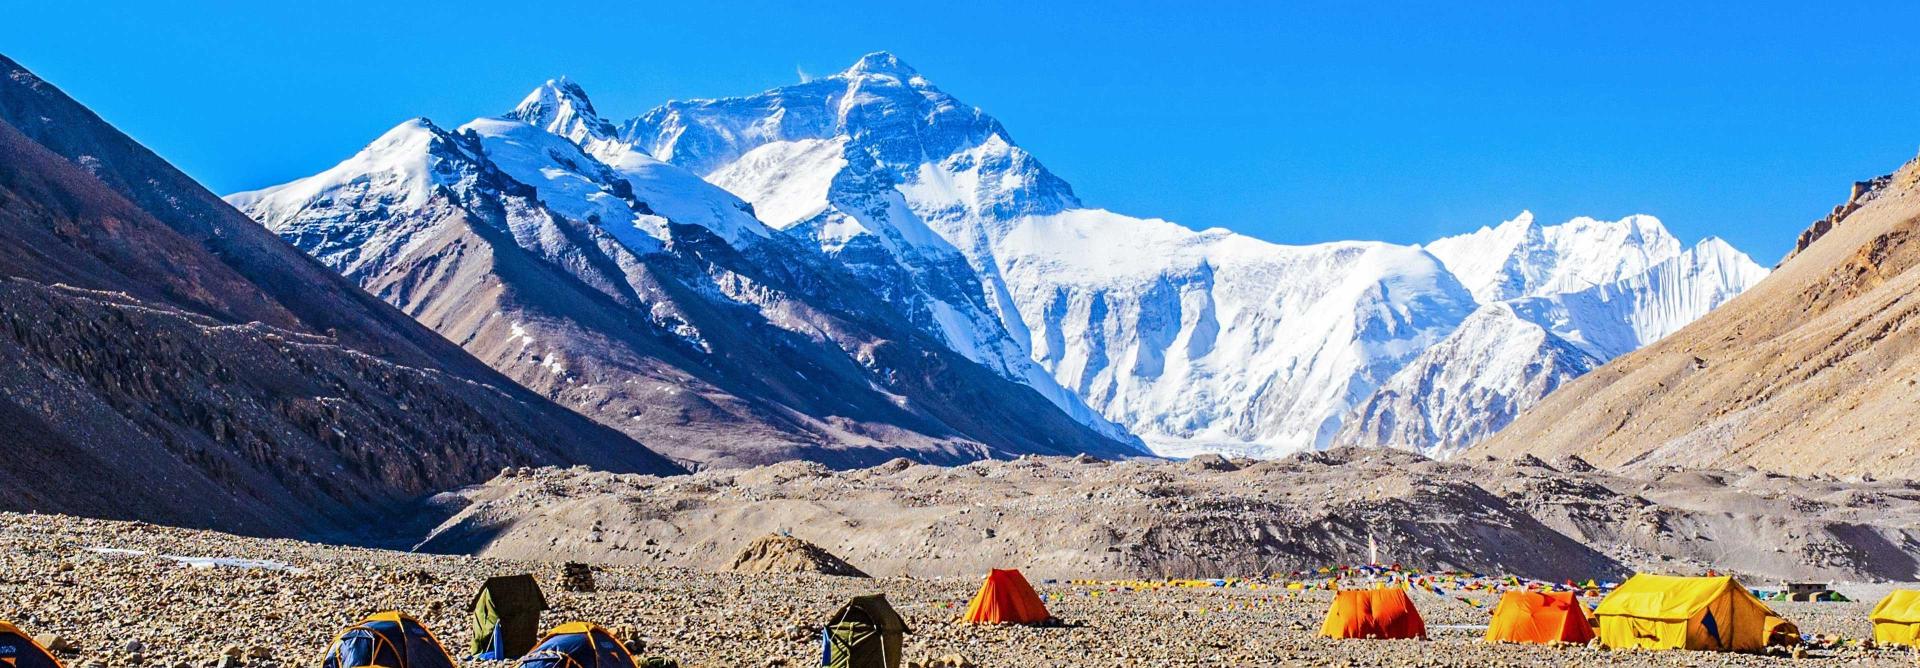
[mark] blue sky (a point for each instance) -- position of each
(1295, 123)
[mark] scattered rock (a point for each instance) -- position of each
(1211, 462)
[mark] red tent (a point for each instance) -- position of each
(1006, 598)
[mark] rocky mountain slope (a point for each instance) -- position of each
(164, 358)
(656, 302)
(1811, 371)
(1197, 341)
(1207, 517)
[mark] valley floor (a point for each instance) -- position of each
(101, 585)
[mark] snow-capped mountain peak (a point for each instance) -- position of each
(1521, 258)
(1195, 340)
(1559, 300)
(399, 168)
(1236, 346)
(560, 106)
(881, 64)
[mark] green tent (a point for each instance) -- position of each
(506, 617)
(864, 633)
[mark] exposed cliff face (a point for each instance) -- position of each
(1811, 371)
(165, 359)
(1862, 192)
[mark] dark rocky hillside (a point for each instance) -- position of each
(163, 358)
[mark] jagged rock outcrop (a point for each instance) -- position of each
(1862, 192)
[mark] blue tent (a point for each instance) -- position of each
(389, 640)
(578, 645)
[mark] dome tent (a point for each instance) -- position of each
(506, 617)
(19, 650)
(388, 639)
(1006, 598)
(865, 633)
(1539, 617)
(578, 645)
(1703, 613)
(1373, 613)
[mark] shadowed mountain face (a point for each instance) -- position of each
(1812, 371)
(656, 302)
(163, 358)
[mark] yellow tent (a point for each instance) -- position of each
(1896, 619)
(1709, 613)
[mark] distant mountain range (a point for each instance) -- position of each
(164, 358)
(1814, 371)
(861, 266)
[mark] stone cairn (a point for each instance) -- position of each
(576, 576)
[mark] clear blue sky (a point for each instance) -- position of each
(1295, 123)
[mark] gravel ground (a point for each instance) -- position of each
(110, 586)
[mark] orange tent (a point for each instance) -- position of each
(1539, 617)
(1373, 613)
(1006, 598)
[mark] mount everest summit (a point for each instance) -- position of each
(861, 266)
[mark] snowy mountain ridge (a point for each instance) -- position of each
(1196, 341)
(645, 295)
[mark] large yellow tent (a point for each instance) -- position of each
(1704, 613)
(1896, 619)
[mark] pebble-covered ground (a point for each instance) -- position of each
(121, 595)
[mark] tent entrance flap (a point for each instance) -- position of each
(506, 617)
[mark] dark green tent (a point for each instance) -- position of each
(864, 633)
(506, 617)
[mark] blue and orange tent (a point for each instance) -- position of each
(19, 650)
(578, 645)
(389, 640)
